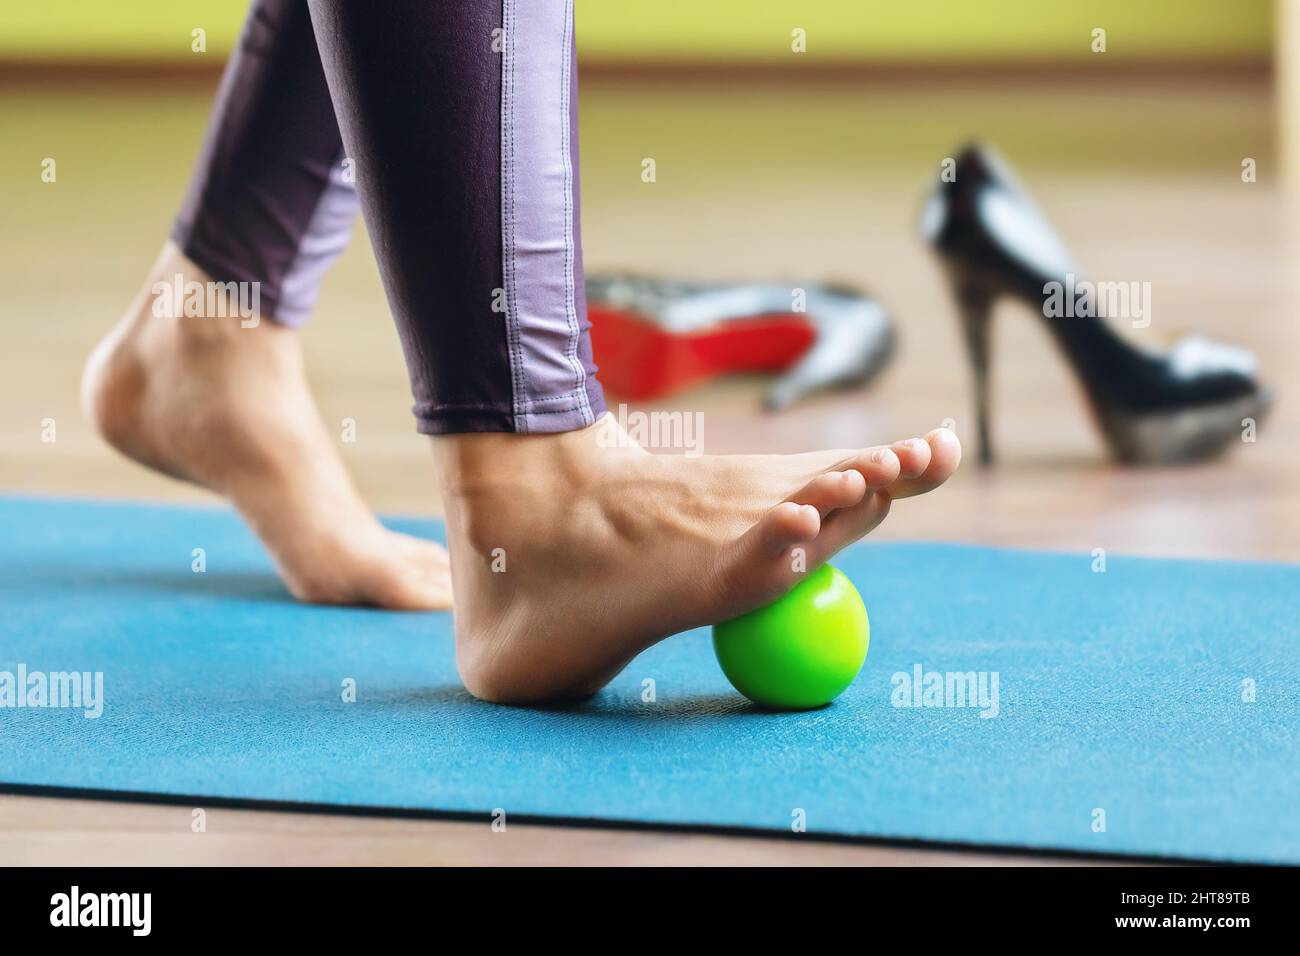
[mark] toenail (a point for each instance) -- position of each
(878, 455)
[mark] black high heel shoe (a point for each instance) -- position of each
(1181, 406)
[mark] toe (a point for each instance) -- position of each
(832, 491)
(412, 588)
(764, 562)
(913, 457)
(422, 550)
(408, 574)
(847, 526)
(945, 456)
(878, 466)
(788, 524)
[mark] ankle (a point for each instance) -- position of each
(179, 291)
(475, 464)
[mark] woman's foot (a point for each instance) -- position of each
(572, 553)
(227, 407)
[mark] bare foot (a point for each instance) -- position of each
(571, 554)
(228, 408)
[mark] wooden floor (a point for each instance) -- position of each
(768, 180)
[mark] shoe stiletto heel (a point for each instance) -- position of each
(975, 309)
(1184, 405)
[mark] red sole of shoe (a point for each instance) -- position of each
(639, 360)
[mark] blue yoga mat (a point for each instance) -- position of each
(1153, 709)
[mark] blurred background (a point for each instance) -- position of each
(771, 165)
(729, 31)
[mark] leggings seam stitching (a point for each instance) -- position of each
(509, 273)
(570, 252)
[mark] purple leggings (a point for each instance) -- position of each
(452, 125)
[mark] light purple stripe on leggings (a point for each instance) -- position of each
(324, 239)
(541, 259)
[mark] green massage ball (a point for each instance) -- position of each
(801, 651)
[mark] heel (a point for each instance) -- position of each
(975, 309)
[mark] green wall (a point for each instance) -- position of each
(713, 30)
